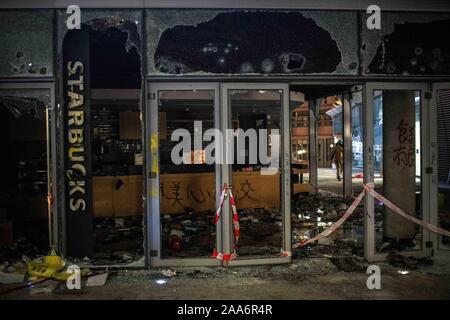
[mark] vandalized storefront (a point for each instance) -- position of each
(318, 106)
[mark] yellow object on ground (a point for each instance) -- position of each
(46, 269)
(54, 261)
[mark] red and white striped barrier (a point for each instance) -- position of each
(405, 215)
(369, 188)
(336, 225)
(237, 231)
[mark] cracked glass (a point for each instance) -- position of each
(205, 41)
(27, 43)
(406, 44)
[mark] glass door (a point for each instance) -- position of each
(29, 186)
(395, 162)
(256, 164)
(440, 163)
(182, 180)
(194, 150)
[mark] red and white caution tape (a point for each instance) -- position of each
(405, 215)
(224, 257)
(336, 225)
(222, 197)
(237, 231)
(369, 188)
(314, 187)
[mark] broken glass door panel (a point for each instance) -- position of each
(443, 147)
(187, 181)
(300, 148)
(26, 182)
(397, 166)
(357, 141)
(256, 118)
(26, 101)
(330, 160)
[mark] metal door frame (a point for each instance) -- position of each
(152, 195)
(51, 127)
(434, 212)
(285, 173)
(369, 213)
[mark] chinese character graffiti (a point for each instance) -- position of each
(404, 154)
(177, 196)
(196, 195)
(175, 187)
(246, 189)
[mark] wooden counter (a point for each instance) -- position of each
(183, 191)
(108, 201)
(196, 191)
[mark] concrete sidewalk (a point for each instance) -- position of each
(316, 278)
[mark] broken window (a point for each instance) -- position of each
(24, 210)
(251, 42)
(318, 200)
(27, 43)
(259, 207)
(127, 21)
(116, 136)
(406, 44)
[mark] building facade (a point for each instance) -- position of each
(114, 91)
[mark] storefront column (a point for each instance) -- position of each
(77, 143)
(399, 161)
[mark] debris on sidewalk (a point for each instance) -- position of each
(169, 273)
(398, 260)
(97, 280)
(46, 287)
(9, 278)
(348, 264)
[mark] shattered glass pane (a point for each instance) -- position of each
(25, 101)
(126, 20)
(251, 42)
(406, 44)
(27, 43)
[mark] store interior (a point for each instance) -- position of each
(117, 150)
(24, 209)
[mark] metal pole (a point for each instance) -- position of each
(312, 104)
(369, 215)
(347, 128)
(49, 176)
